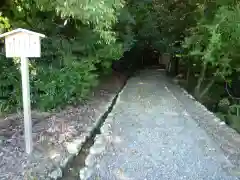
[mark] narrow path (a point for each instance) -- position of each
(149, 135)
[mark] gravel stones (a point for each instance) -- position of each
(165, 143)
(85, 173)
(56, 173)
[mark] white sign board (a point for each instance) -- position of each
(23, 43)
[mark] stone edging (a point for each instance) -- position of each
(227, 138)
(78, 143)
(98, 149)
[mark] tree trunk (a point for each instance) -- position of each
(207, 88)
(200, 81)
(188, 72)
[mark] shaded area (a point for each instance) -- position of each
(54, 135)
(71, 171)
(154, 137)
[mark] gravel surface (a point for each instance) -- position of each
(150, 135)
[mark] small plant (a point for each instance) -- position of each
(234, 110)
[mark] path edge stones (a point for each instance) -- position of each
(227, 138)
(57, 172)
(101, 141)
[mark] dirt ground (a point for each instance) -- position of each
(52, 132)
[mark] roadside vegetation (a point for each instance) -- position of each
(85, 37)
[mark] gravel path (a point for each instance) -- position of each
(149, 135)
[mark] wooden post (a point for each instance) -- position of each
(24, 43)
(26, 104)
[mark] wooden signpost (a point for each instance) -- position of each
(23, 43)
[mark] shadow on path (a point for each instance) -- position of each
(151, 135)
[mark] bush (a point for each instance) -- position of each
(81, 44)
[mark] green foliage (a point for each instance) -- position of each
(68, 85)
(213, 43)
(82, 41)
(85, 37)
(10, 85)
